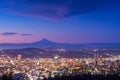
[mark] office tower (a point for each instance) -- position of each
(96, 56)
(19, 57)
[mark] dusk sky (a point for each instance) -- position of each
(65, 21)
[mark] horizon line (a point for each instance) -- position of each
(61, 42)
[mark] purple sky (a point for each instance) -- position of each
(67, 21)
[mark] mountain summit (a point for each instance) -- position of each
(44, 41)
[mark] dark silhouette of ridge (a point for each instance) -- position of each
(45, 43)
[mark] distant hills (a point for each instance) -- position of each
(26, 52)
(44, 43)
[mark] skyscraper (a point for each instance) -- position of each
(19, 58)
(96, 56)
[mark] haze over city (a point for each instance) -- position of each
(64, 21)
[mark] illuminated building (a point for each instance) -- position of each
(95, 58)
(19, 57)
(100, 60)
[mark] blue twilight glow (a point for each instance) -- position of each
(68, 21)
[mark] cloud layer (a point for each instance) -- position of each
(54, 9)
(9, 33)
(14, 33)
(26, 34)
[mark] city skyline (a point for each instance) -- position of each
(65, 21)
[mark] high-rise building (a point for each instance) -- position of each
(100, 60)
(96, 56)
(19, 57)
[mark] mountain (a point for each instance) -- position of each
(44, 43)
